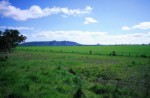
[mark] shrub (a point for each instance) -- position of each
(79, 93)
(144, 56)
(99, 89)
(90, 52)
(114, 53)
(72, 71)
(33, 78)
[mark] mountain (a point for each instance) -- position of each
(50, 43)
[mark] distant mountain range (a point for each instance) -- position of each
(50, 43)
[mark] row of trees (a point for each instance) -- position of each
(9, 39)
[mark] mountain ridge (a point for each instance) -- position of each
(50, 43)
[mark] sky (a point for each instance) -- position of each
(82, 21)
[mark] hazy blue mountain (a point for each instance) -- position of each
(50, 43)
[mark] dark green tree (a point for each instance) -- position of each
(9, 39)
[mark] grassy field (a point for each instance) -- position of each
(74, 72)
(98, 50)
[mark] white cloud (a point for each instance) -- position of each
(142, 25)
(86, 37)
(125, 28)
(7, 10)
(17, 28)
(65, 16)
(89, 20)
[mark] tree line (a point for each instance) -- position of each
(9, 39)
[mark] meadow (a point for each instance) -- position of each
(136, 50)
(76, 72)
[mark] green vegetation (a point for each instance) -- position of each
(75, 72)
(9, 39)
(138, 50)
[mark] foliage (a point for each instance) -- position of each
(9, 39)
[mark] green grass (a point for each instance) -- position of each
(120, 50)
(36, 72)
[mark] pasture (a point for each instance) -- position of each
(75, 72)
(129, 50)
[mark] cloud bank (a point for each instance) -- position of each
(142, 25)
(8, 10)
(86, 37)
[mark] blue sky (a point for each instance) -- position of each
(82, 21)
